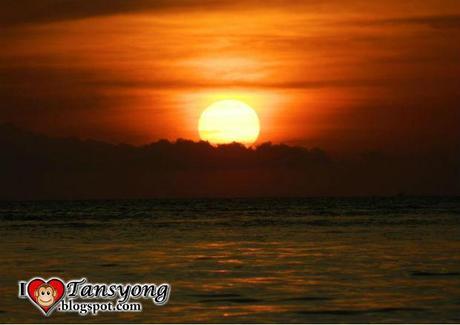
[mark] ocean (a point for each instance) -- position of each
(309, 260)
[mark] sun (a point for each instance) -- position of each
(227, 121)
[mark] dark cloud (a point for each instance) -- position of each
(451, 21)
(437, 22)
(49, 81)
(17, 12)
(39, 167)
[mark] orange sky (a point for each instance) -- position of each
(341, 75)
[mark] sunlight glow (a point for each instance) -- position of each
(227, 121)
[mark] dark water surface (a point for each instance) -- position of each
(238, 260)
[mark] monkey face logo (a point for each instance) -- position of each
(45, 294)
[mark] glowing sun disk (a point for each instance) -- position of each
(227, 121)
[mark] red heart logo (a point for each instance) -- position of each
(45, 294)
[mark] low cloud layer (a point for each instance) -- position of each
(39, 167)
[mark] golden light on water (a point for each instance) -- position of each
(227, 121)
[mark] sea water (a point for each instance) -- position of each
(243, 260)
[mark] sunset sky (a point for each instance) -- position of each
(342, 75)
